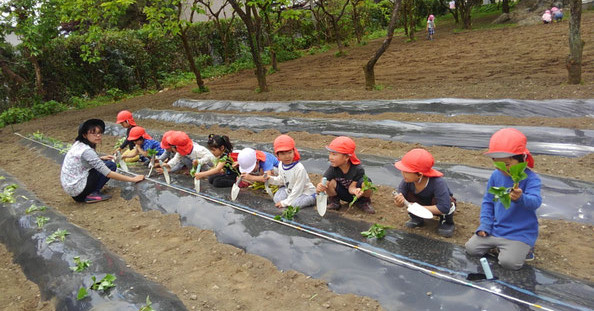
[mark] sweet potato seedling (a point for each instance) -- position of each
(288, 213)
(7, 195)
(41, 221)
(58, 235)
(81, 265)
(151, 152)
(148, 306)
(226, 159)
(367, 185)
(34, 208)
(516, 172)
(104, 284)
(82, 293)
(376, 231)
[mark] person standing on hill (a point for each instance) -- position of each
(430, 27)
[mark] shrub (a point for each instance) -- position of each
(16, 115)
(47, 108)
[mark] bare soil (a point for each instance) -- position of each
(517, 62)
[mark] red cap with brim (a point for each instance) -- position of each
(182, 142)
(418, 161)
(286, 143)
(509, 142)
(125, 116)
(344, 145)
(137, 132)
(164, 143)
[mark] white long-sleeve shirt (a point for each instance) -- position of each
(200, 153)
(294, 177)
(79, 160)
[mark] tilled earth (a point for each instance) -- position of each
(207, 275)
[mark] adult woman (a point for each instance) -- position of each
(84, 172)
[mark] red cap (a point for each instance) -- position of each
(344, 145)
(164, 143)
(182, 142)
(509, 142)
(137, 132)
(286, 143)
(125, 115)
(418, 161)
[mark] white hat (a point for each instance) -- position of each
(247, 160)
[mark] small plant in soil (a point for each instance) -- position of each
(227, 160)
(151, 152)
(81, 265)
(104, 284)
(59, 235)
(148, 306)
(34, 208)
(82, 293)
(7, 195)
(376, 231)
(119, 142)
(41, 221)
(516, 172)
(367, 185)
(288, 213)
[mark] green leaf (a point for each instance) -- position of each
(57, 235)
(501, 166)
(148, 306)
(41, 221)
(82, 293)
(104, 284)
(34, 208)
(81, 265)
(151, 152)
(376, 231)
(517, 172)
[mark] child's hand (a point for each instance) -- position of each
(199, 175)
(357, 192)
(515, 194)
(321, 188)
(278, 205)
(195, 163)
(399, 200)
(107, 157)
(246, 177)
(482, 233)
(138, 178)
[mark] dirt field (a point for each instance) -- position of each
(522, 63)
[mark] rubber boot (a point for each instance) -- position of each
(414, 221)
(446, 225)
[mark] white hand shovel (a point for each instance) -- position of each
(151, 165)
(417, 209)
(322, 200)
(165, 173)
(197, 181)
(267, 187)
(235, 189)
(121, 162)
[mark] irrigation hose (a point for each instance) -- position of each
(315, 232)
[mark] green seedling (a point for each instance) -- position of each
(2, 178)
(119, 142)
(34, 208)
(58, 235)
(148, 306)
(376, 231)
(41, 221)
(37, 135)
(288, 213)
(516, 172)
(7, 196)
(81, 265)
(367, 185)
(82, 293)
(228, 160)
(194, 170)
(151, 152)
(104, 284)
(258, 185)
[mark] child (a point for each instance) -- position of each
(169, 154)
(296, 189)
(512, 231)
(83, 172)
(546, 17)
(557, 14)
(430, 26)
(253, 164)
(187, 152)
(125, 119)
(345, 176)
(223, 174)
(143, 142)
(424, 185)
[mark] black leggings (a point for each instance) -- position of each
(222, 180)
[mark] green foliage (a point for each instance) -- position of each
(199, 90)
(367, 185)
(16, 115)
(7, 195)
(376, 231)
(288, 213)
(34, 208)
(115, 93)
(517, 173)
(104, 284)
(81, 265)
(151, 152)
(148, 306)
(82, 293)
(41, 221)
(58, 235)
(48, 108)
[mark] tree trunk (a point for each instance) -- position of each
(38, 76)
(576, 44)
(357, 21)
(191, 61)
(505, 6)
(368, 68)
(465, 8)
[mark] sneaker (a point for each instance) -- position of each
(333, 203)
(530, 256)
(366, 207)
(96, 197)
(446, 226)
(414, 221)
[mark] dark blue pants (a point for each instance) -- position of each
(95, 181)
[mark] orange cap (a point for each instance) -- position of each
(344, 145)
(137, 132)
(182, 142)
(509, 142)
(418, 161)
(164, 143)
(125, 116)
(286, 143)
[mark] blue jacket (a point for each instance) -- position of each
(519, 221)
(152, 144)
